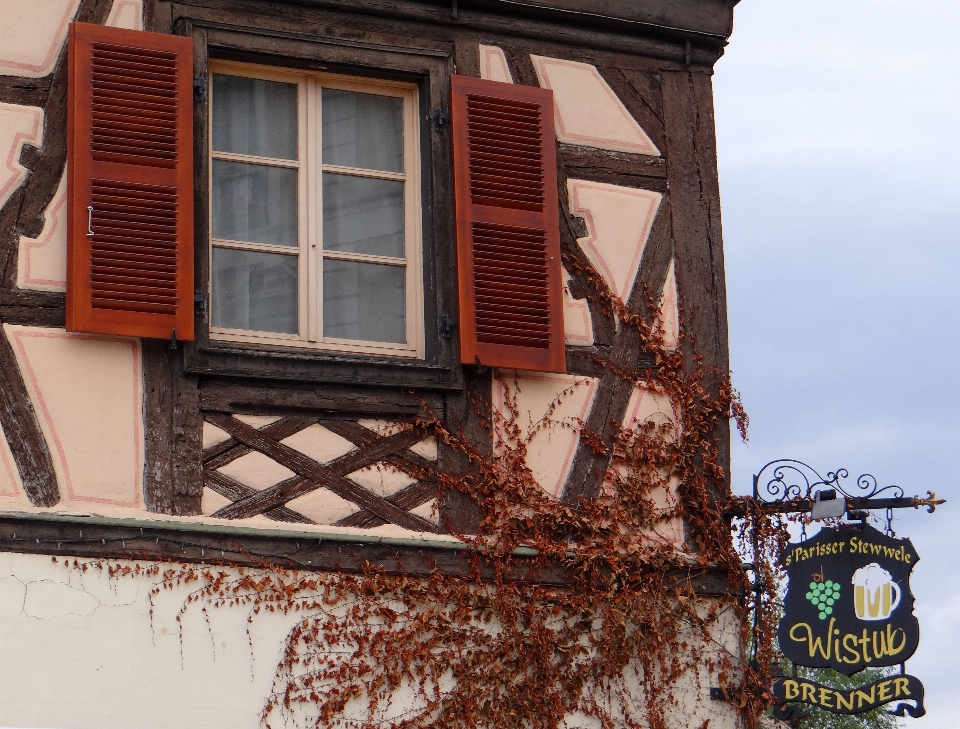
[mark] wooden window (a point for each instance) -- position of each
(130, 183)
(314, 211)
(508, 238)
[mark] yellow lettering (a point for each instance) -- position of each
(907, 558)
(882, 650)
(814, 645)
(850, 646)
(884, 693)
(790, 689)
(825, 697)
(807, 693)
(863, 645)
(901, 687)
(866, 698)
(844, 703)
(891, 634)
(841, 546)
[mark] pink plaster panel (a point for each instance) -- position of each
(493, 65)
(646, 406)
(577, 322)
(19, 125)
(42, 263)
(126, 14)
(619, 220)
(551, 437)
(32, 33)
(323, 506)
(87, 391)
(587, 111)
(669, 310)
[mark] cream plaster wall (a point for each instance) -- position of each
(669, 310)
(619, 220)
(587, 111)
(646, 406)
(19, 125)
(42, 263)
(126, 14)
(550, 409)
(79, 650)
(30, 41)
(493, 65)
(577, 322)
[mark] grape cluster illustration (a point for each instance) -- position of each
(823, 595)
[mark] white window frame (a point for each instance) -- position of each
(309, 247)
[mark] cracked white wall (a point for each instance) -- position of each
(77, 651)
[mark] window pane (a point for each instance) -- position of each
(364, 301)
(254, 203)
(253, 290)
(362, 215)
(251, 116)
(362, 130)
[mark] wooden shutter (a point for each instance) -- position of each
(130, 159)
(508, 238)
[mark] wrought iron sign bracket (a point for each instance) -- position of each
(788, 486)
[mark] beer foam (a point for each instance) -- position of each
(872, 576)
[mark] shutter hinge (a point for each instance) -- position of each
(200, 87)
(447, 325)
(200, 301)
(440, 119)
(173, 340)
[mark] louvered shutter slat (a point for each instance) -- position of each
(508, 247)
(130, 158)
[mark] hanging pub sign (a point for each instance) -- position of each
(848, 606)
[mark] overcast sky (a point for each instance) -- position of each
(838, 125)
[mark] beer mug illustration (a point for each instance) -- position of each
(875, 594)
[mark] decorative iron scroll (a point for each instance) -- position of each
(790, 480)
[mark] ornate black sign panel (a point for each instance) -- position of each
(854, 700)
(848, 603)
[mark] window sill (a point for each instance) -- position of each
(215, 357)
(340, 347)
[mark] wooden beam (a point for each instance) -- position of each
(325, 553)
(220, 454)
(22, 430)
(234, 490)
(313, 475)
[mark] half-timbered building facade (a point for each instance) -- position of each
(254, 253)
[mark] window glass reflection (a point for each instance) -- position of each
(364, 301)
(255, 117)
(362, 215)
(362, 130)
(254, 290)
(254, 203)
